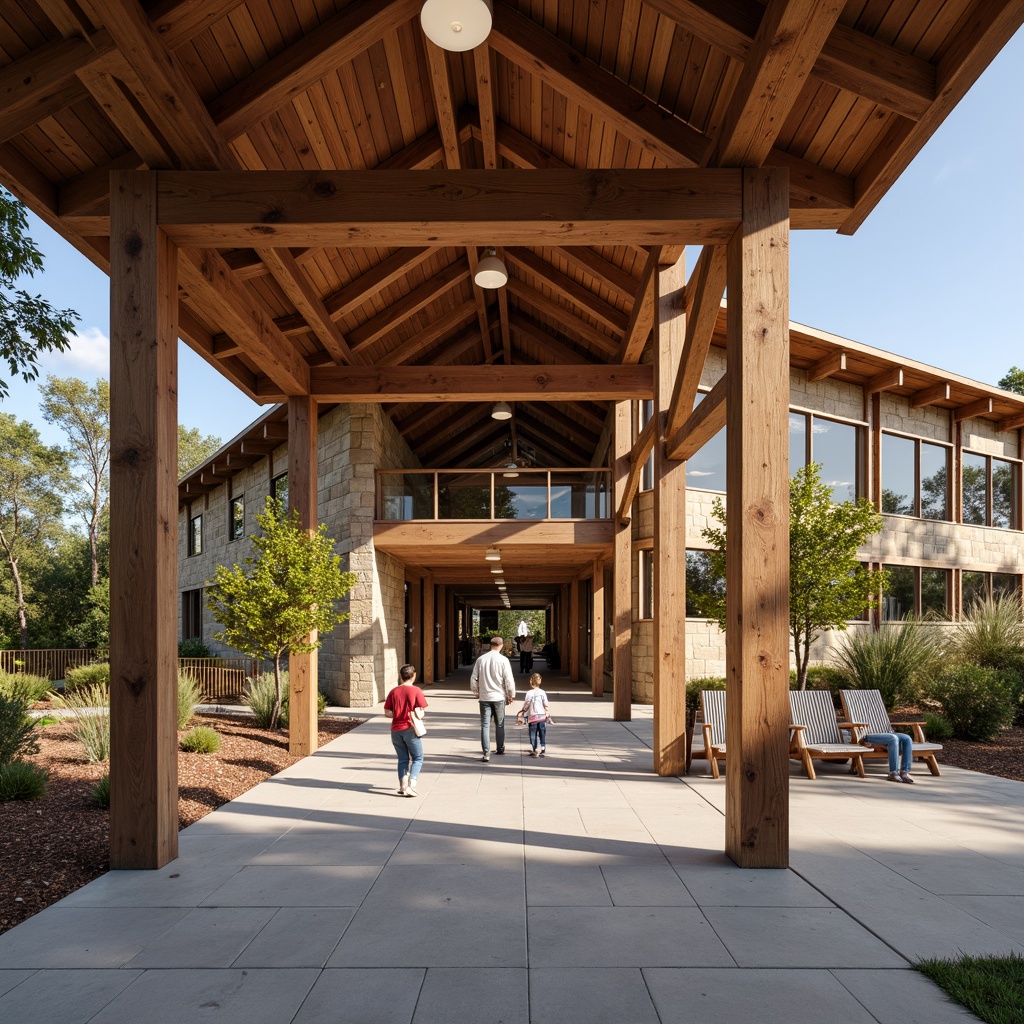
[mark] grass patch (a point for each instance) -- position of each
(991, 987)
(201, 740)
(22, 780)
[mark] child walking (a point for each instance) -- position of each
(535, 708)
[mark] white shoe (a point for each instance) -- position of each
(906, 777)
(894, 777)
(411, 791)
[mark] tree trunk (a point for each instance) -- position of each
(93, 529)
(19, 595)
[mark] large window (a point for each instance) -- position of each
(990, 491)
(978, 586)
(917, 591)
(236, 518)
(191, 614)
(647, 476)
(647, 583)
(706, 469)
(915, 477)
(195, 535)
(835, 447)
(279, 489)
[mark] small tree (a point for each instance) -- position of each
(270, 605)
(193, 448)
(1013, 380)
(827, 583)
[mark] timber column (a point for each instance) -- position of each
(143, 528)
(622, 573)
(302, 498)
(669, 533)
(757, 530)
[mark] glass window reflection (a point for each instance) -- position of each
(898, 599)
(898, 475)
(934, 481)
(974, 483)
(934, 591)
(706, 470)
(973, 588)
(797, 441)
(834, 448)
(1004, 494)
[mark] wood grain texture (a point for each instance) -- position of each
(622, 569)
(597, 655)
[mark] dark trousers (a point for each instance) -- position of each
(526, 661)
(492, 709)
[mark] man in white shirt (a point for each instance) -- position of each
(493, 685)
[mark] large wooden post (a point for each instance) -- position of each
(597, 639)
(143, 528)
(302, 498)
(757, 533)
(622, 679)
(442, 632)
(669, 534)
(574, 631)
(414, 626)
(429, 620)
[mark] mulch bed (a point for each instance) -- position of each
(1004, 756)
(53, 846)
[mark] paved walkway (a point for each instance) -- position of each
(577, 888)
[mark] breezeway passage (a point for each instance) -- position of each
(580, 887)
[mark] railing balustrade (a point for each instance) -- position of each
(493, 494)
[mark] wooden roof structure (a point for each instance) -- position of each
(843, 95)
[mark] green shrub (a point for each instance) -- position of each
(260, 695)
(17, 730)
(39, 687)
(893, 660)
(694, 686)
(193, 647)
(100, 793)
(937, 729)
(190, 693)
(96, 673)
(201, 740)
(90, 718)
(22, 780)
(977, 702)
(46, 720)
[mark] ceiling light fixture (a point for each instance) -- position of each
(490, 271)
(493, 555)
(511, 469)
(501, 411)
(456, 25)
(498, 571)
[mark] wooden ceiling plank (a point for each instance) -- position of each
(579, 79)
(469, 207)
(540, 436)
(89, 194)
(178, 21)
(704, 293)
(483, 65)
(788, 40)
(641, 320)
(296, 285)
(930, 396)
(68, 18)
(642, 449)
(444, 110)
(532, 331)
(702, 424)
(552, 416)
(209, 279)
(338, 41)
(1012, 422)
(834, 362)
(455, 348)
(581, 297)
(885, 381)
(454, 448)
(573, 324)
(437, 422)
(426, 337)
(979, 407)
(617, 280)
(391, 269)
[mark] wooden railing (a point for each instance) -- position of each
(222, 679)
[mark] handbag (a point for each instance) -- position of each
(418, 726)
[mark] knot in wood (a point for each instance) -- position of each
(133, 244)
(324, 188)
(765, 514)
(130, 456)
(273, 216)
(136, 686)
(263, 229)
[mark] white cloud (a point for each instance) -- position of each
(700, 472)
(89, 355)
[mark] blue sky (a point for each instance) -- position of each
(934, 274)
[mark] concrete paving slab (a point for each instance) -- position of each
(199, 848)
(714, 996)
(473, 996)
(896, 997)
(11, 979)
(386, 996)
(352, 847)
(297, 937)
(67, 996)
(236, 996)
(206, 937)
(1005, 914)
(798, 937)
(646, 885)
(595, 995)
(714, 881)
(566, 885)
(438, 885)
(169, 887)
(294, 886)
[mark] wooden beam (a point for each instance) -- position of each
(394, 208)
(706, 420)
(480, 299)
(423, 339)
(178, 21)
(391, 269)
(479, 383)
(429, 624)
(885, 381)
(530, 330)
(401, 538)
(208, 278)
(703, 303)
(337, 41)
(638, 457)
(143, 509)
(980, 407)
(302, 498)
(574, 631)
(930, 396)
(597, 639)
(757, 528)
(607, 273)
(638, 330)
(669, 625)
(569, 322)
(834, 362)
(569, 72)
(622, 562)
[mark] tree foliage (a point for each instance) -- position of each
(29, 324)
(289, 589)
(193, 448)
(1013, 380)
(827, 583)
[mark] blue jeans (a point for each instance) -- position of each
(901, 748)
(538, 731)
(409, 747)
(492, 709)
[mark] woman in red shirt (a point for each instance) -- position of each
(404, 701)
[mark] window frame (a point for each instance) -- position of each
(195, 531)
(1016, 466)
(916, 610)
(192, 614)
(860, 428)
(918, 441)
(236, 499)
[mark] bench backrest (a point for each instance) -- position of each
(712, 704)
(866, 706)
(815, 710)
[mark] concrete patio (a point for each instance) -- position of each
(577, 888)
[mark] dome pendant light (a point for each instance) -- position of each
(456, 25)
(490, 271)
(501, 411)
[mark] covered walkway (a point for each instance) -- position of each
(577, 888)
